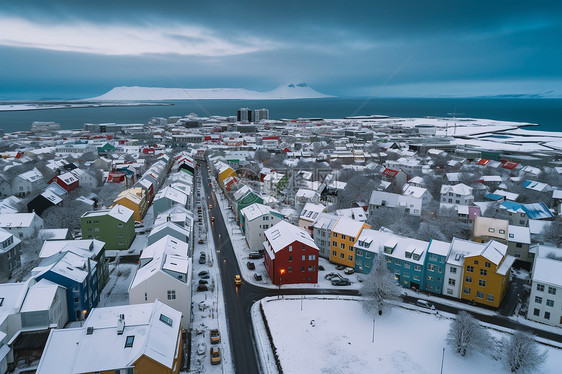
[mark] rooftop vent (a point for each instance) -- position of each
(121, 324)
(89, 330)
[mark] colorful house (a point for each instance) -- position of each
(405, 258)
(257, 218)
(435, 266)
(344, 235)
(115, 226)
(486, 274)
(68, 181)
(135, 199)
(291, 256)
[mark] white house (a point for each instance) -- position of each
(164, 273)
(28, 182)
(85, 178)
(453, 196)
(545, 302)
(409, 204)
(454, 269)
(22, 225)
(418, 192)
(44, 306)
(256, 219)
(309, 214)
(322, 233)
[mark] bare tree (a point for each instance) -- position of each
(261, 155)
(67, 215)
(379, 287)
(522, 353)
(553, 233)
(29, 253)
(465, 334)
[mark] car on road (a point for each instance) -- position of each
(203, 273)
(212, 219)
(251, 265)
(331, 276)
(321, 268)
(341, 282)
(349, 271)
(257, 277)
(203, 281)
(210, 206)
(215, 355)
(237, 280)
(425, 304)
(202, 258)
(201, 348)
(254, 255)
(340, 267)
(215, 336)
(200, 241)
(202, 287)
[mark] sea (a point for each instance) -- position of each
(547, 113)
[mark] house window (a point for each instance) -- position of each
(119, 225)
(303, 257)
(351, 248)
(536, 312)
(416, 277)
(367, 255)
(481, 283)
(291, 248)
(342, 255)
(417, 267)
(407, 265)
(171, 294)
(291, 258)
(167, 320)
(469, 268)
(302, 268)
(350, 257)
(335, 234)
(475, 262)
(303, 247)
(549, 302)
(451, 282)
(129, 341)
(431, 267)
(397, 262)
(342, 246)
(540, 287)
(311, 268)
(491, 230)
(466, 290)
(359, 253)
(502, 231)
(479, 294)
(552, 290)
(145, 296)
(290, 269)
(406, 275)
(334, 243)
(546, 315)
(468, 279)
(343, 237)
(449, 291)
(483, 272)
(311, 257)
(334, 253)
(538, 300)
(351, 239)
(453, 270)
(487, 264)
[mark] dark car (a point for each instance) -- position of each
(341, 282)
(251, 265)
(331, 276)
(204, 272)
(202, 287)
(202, 259)
(254, 255)
(257, 277)
(203, 281)
(340, 267)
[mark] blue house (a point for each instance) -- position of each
(78, 275)
(405, 258)
(366, 249)
(435, 261)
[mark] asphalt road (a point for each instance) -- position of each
(238, 300)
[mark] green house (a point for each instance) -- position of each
(248, 199)
(115, 227)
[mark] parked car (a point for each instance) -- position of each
(257, 277)
(340, 267)
(348, 271)
(237, 280)
(215, 355)
(425, 304)
(200, 241)
(202, 259)
(202, 273)
(203, 281)
(341, 282)
(254, 255)
(331, 276)
(202, 287)
(251, 265)
(205, 276)
(201, 348)
(321, 268)
(215, 336)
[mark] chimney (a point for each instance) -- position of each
(121, 324)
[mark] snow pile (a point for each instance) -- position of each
(336, 336)
(290, 91)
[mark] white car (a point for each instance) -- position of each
(425, 304)
(201, 348)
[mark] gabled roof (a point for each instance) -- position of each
(348, 227)
(311, 211)
(461, 189)
(17, 220)
(84, 247)
(493, 251)
(256, 210)
(172, 194)
(283, 233)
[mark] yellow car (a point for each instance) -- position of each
(237, 280)
(215, 355)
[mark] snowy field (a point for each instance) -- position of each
(336, 336)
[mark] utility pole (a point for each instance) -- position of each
(442, 359)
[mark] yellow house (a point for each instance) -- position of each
(224, 171)
(140, 339)
(135, 199)
(344, 235)
(486, 274)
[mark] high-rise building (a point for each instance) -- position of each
(245, 115)
(260, 114)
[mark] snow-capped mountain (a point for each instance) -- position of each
(289, 91)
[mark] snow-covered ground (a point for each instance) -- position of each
(116, 291)
(335, 335)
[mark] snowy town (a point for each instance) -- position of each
(247, 244)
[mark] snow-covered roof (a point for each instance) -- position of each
(32, 175)
(154, 326)
(519, 234)
(326, 221)
(51, 196)
(439, 247)
(414, 191)
(169, 245)
(348, 227)
(311, 211)
(547, 270)
(508, 195)
(121, 213)
(256, 210)
(462, 248)
(73, 266)
(356, 213)
(283, 233)
(40, 296)
(171, 194)
(460, 189)
(17, 219)
(83, 247)
(493, 251)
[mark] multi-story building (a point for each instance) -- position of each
(322, 233)
(485, 229)
(28, 182)
(135, 199)
(458, 194)
(309, 214)
(344, 235)
(486, 274)
(291, 256)
(435, 266)
(9, 254)
(405, 258)
(454, 271)
(115, 226)
(545, 302)
(256, 219)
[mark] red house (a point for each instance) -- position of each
(291, 256)
(67, 181)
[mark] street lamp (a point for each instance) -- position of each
(281, 272)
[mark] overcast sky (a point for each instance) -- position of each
(77, 49)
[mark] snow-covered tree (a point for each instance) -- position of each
(379, 287)
(553, 233)
(522, 353)
(465, 334)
